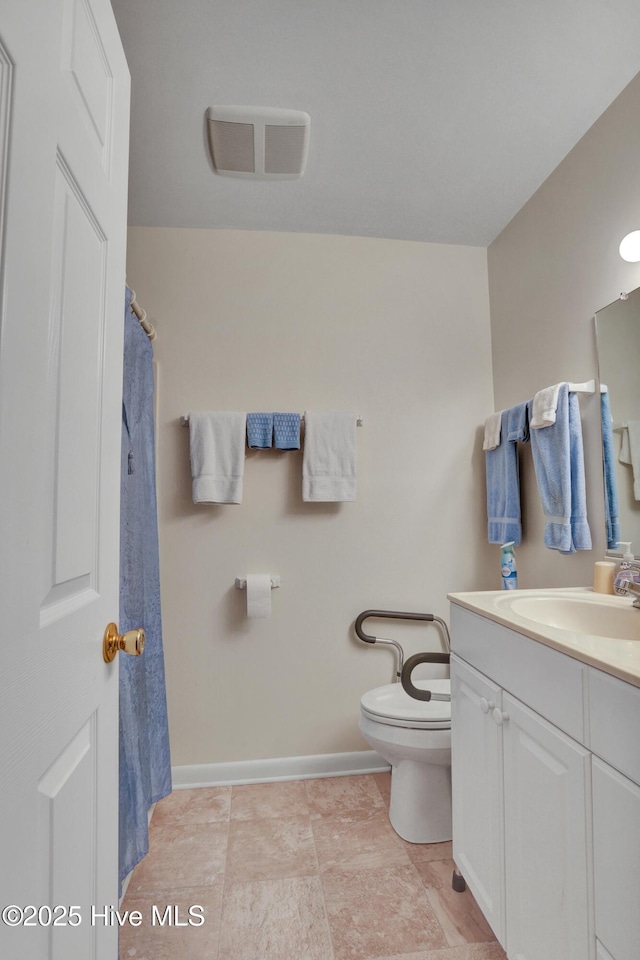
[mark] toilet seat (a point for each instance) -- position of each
(391, 705)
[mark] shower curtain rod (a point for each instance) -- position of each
(141, 314)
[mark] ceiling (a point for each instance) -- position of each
(431, 120)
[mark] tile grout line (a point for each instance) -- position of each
(324, 901)
(428, 899)
(224, 880)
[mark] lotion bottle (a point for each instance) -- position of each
(508, 566)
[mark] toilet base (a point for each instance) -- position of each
(420, 808)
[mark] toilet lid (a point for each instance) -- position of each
(390, 703)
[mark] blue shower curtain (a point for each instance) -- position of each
(145, 765)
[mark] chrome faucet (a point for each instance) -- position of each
(624, 588)
(633, 589)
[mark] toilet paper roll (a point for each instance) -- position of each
(258, 595)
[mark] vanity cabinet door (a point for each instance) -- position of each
(476, 772)
(616, 841)
(547, 850)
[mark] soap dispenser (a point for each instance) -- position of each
(626, 571)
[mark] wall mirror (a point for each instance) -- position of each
(618, 339)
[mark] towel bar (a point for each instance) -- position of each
(184, 420)
(588, 387)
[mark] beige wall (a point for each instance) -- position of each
(549, 271)
(396, 331)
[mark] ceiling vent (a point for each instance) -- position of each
(263, 143)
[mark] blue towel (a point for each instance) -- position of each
(259, 430)
(580, 532)
(558, 461)
(610, 483)
(286, 431)
(503, 477)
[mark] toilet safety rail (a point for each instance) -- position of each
(403, 672)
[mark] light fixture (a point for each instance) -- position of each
(630, 247)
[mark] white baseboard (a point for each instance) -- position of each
(280, 768)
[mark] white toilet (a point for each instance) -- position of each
(414, 736)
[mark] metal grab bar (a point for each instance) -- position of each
(407, 670)
(397, 615)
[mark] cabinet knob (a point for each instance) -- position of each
(486, 705)
(500, 717)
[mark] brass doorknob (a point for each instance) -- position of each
(131, 642)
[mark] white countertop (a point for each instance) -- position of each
(621, 658)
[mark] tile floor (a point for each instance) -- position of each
(301, 870)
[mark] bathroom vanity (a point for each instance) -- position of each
(546, 769)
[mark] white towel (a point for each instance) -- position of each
(329, 459)
(545, 404)
(630, 452)
(492, 431)
(217, 442)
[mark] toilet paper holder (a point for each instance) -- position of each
(241, 583)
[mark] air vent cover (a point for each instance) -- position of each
(263, 143)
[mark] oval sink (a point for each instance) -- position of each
(597, 617)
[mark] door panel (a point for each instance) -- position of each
(79, 252)
(476, 771)
(64, 95)
(67, 828)
(548, 860)
(616, 840)
(86, 61)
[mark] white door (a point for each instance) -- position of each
(547, 839)
(476, 775)
(64, 101)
